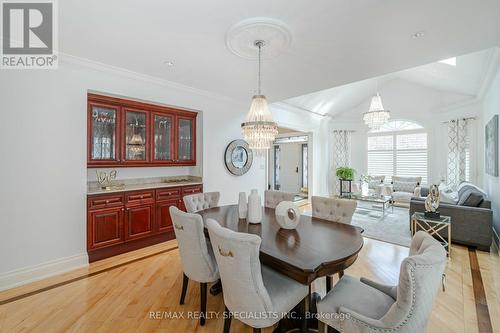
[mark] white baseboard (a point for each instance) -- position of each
(27, 275)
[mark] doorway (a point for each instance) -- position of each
(289, 167)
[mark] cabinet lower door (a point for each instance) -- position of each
(105, 227)
(163, 218)
(139, 221)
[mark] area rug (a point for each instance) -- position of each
(393, 227)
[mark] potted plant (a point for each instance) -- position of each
(346, 175)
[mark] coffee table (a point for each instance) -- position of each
(379, 202)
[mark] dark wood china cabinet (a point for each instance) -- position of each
(128, 133)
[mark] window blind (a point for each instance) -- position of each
(398, 154)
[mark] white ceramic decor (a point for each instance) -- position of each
(242, 205)
(287, 215)
(254, 207)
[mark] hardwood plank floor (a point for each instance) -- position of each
(130, 294)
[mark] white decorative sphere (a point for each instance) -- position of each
(287, 215)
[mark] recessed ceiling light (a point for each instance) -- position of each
(418, 34)
(168, 63)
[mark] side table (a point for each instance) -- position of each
(433, 227)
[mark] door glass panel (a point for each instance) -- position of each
(185, 139)
(135, 136)
(162, 138)
(103, 133)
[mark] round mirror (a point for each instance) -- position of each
(238, 157)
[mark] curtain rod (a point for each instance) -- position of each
(453, 120)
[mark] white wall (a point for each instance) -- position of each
(491, 107)
(43, 155)
(428, 107)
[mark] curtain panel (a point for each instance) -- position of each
(458, 152)
(341, 153)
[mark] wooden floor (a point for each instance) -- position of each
(119, 294)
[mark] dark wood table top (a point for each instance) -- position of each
(316, 248)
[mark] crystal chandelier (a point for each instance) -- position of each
(259, 129)
(376, 115)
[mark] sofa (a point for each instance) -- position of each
(405, 188)
(471, 216)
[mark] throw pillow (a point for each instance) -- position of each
(400, 186)
(469, 196)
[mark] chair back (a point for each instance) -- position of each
(420, 277)
(237, 256)
(333, 209)
(273, 198)
(200, 201)
(197, 258)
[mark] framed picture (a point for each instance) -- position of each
(491, 147)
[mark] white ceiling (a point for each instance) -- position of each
(463, 81)
(334, 42)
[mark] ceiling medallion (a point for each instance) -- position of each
(241, 37)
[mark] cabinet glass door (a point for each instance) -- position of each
(162, 138)
(103, 133)
(135, 136)
(185, 137)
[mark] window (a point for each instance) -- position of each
(399, 148)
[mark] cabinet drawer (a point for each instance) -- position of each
(140, 197)
(192, 190)
(168, 193)
(107, 201)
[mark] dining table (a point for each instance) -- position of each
(315, 248)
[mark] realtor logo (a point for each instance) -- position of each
(29, 34)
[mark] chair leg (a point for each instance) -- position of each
(203, 303)
(305, 311)
(321, 327)
(185, 281)
(227, 320)
(341, 274)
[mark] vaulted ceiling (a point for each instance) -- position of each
(334, 42)
(453, 83)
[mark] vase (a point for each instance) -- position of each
(242, 205)
(254, 207)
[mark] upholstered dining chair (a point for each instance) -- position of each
(362, 305)
(273, 198)
(249, 287)
(197, 258)
(333, 209)
(201, 201)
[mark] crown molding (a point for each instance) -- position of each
(109, 69)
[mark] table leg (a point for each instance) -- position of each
(328, 283)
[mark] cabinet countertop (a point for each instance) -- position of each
(137, 187)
